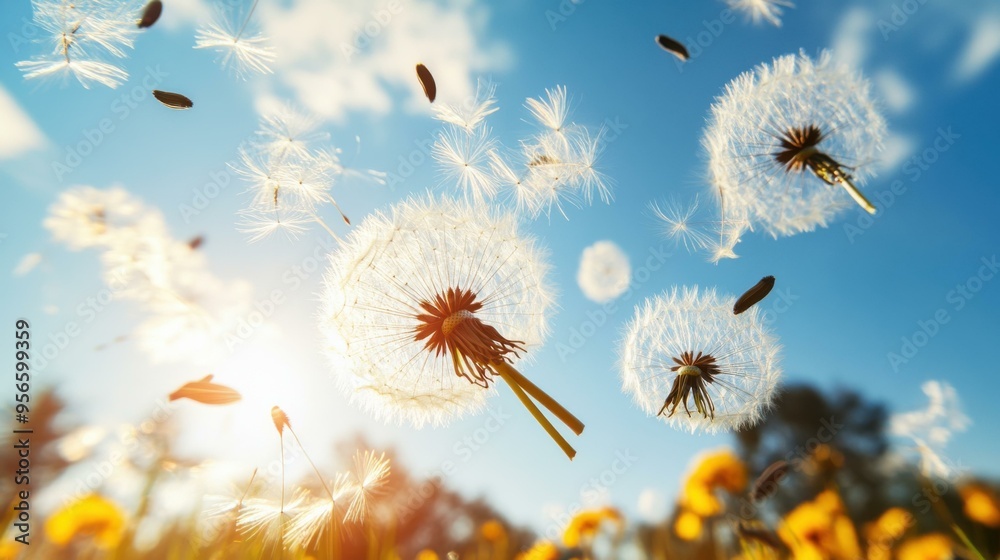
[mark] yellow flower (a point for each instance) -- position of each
(427, 554)
(9, 549)
(819, 530)
(981, 505)
(933, 546)
(493, 531)
(886, 530)
(90, 516)
(830, 502)
(720, 469)
(585, 524)
(543, 550)
(687, 526)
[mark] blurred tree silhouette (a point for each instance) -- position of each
(803, 419)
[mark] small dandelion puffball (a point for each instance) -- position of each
(758, 11)
(784, 138)
(688, 359)
(604, 272)
(422, 303)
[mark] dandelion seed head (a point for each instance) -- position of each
(604, 272)
(761, 10)
(401, 277)
(782, 135)
(689, 335)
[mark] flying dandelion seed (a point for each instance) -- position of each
(686, 358)
(553, 168)
(289, 176)
(753, 296)
(244, 51)
(673, 47)
(687, 226)
(471, 115)
(206, 392)
(427, 82)
(79, 36)
(150, 14)
(426, 305)
(173, 100)
(761, 10)
(783, 137)
(604, 272)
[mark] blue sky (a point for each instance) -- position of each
(854, 291)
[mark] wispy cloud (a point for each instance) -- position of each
(897, 93)
(337, 57)
(20, 133)
(981, 50)
(852, 37)
(931, 428)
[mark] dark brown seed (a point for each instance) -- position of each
(767, 483)
(196, 242)
(427, 82)
(762, 536)
(151, 14)
(753, 295)
(672, 47)
(173, 100)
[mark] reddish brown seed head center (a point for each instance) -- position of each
(449, 326)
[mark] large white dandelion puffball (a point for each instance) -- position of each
(420, 303)
(687, 359)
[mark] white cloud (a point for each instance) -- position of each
(982, 49)
(343, 56)
(932, 427)
(895, 90)
(852, 37)
(27, 264)
(604, 272)
(897, 148)
(177, 13)
(20, 134)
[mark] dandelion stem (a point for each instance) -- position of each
(311, 464)
(246, 21)
(546, 425)
(572, 422)
(322, 224)
(856, 194)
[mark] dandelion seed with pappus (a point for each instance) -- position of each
(244, 50)
(80, 36)
(784, 136)
(425, 305)
(687, 359)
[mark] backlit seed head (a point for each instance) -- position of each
(686, 359)
(788, 141)
(422, 302)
